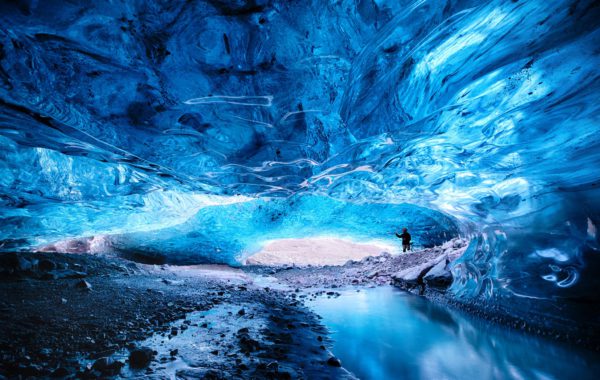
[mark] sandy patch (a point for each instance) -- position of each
(213, 271)
(315, 251)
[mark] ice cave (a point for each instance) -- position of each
(215, 189)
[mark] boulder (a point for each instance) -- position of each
(107, 366)
(372, 274)
(439, 276)
(14, 263)
(23, 265)
(412, 278)
(140, 357)
(46, 265)
(248, 344)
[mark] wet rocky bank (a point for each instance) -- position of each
(95, 316)
(84, 316)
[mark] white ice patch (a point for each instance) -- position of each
(552, 253)
(591, 229)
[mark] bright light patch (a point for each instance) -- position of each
(316, 251)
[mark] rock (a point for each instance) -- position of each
(241, 312)
(248, 344)
(140, 357)
(83, 284)
(23, 265)
(45, 352)
(273, 366)
(107, 366)
(46, 265)
(60, 372)
(201, 373)
(334, 362)
(63, 273)
(439, 276)
(31, 370)
(373, 274)
(412, 278)
(458, 243)
(13, 263)
(412, 275)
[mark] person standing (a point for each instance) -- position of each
(405, 236)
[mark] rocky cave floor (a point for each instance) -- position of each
(85, 316)
(90, 316)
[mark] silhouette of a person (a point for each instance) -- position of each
(405, 236)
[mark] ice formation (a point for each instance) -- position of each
(196, 130)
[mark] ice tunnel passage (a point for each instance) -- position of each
(168, 125)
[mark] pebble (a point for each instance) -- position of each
(83, 284)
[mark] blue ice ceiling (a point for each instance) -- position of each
(157, 122)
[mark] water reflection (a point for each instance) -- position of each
(384, 333)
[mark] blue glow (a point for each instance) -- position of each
(390, 332)
(166, 124)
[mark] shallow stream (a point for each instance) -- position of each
(384, 333)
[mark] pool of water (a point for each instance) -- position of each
(384, 333)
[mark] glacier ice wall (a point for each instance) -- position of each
(229, 234)
(143, 119)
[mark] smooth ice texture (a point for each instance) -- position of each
(390, 332)
(164, 125)
(229, 234)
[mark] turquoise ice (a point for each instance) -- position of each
(197, 130)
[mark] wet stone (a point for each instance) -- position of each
(140, 357)
(83, 284)
(107, 366)
(334, 362)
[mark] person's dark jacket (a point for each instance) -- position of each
(405, 236)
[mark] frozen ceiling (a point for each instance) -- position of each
(197, 129)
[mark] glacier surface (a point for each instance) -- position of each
(197, 130)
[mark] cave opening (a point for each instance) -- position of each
(167, 167)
